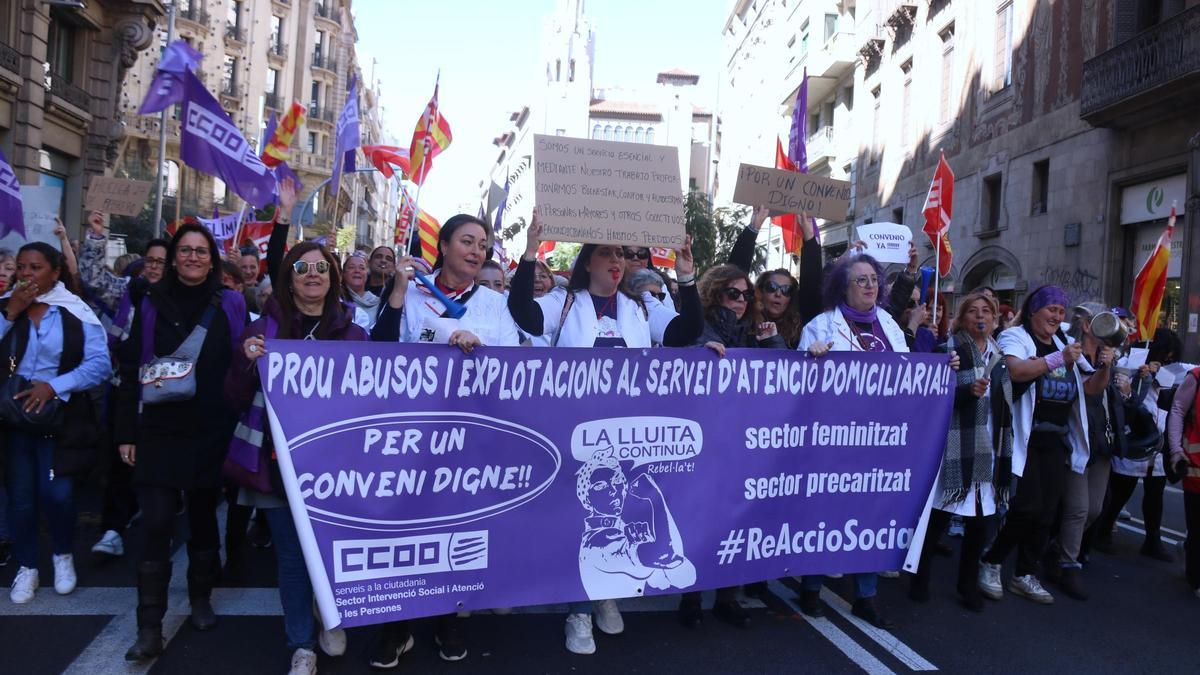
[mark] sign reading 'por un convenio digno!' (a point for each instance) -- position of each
(606, 192)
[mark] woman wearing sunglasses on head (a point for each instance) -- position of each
(596, 311)
(308, 306)
(173, 423)
(787, 302)
(413, 313)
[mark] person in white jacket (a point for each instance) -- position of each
(1050, 436)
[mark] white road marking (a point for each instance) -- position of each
(1177, 533)
(881, 637)
(1131, 528)
(838, 637)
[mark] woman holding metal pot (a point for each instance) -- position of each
(54, 349)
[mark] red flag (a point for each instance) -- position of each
(386, 156)
(662, 257)
(793, 235)
(544, 250)
(939, 206)
(1151, 284)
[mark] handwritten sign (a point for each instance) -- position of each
(118, 196)
(604, 192)
(886, 242)
(790, 192)
(41, 204)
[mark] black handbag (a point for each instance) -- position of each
(12, 410)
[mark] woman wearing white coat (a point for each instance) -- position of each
(596, 312)
(1050, 437)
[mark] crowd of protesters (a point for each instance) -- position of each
(149, 368)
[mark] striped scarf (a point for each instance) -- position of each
(248, 436)
(971, 457)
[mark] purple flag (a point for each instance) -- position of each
(12, 216)
(797, 152)
(167, 87)
(347, 137)
(212, 144)
(500, 209)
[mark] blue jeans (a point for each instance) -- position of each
(295, 588)
(865, 583)
(30, 461)
(5, 533)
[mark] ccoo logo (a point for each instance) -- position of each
(1154, 199)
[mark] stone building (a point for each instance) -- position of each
(61, 73)
(259, 56)
(1067, 125)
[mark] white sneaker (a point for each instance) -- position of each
(989, 581)
(64, 573)
(1028, 586)
(579, 634)
(608, 617)
(110, 544)
(332, 641)
(835, 575)
(304, 662)
(23, 586)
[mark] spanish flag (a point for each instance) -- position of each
(278, 148)
(431, 136)
(1151, 284)
(427, 230)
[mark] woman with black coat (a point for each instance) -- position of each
(179, 445)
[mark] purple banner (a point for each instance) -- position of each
(432, 481)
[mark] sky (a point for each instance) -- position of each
(488, 52)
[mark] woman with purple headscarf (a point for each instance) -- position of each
(1050, 435)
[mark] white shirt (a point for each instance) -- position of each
(831, 327)
(637, 326)
(487, 316)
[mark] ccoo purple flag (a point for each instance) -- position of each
(797, 152)
(212, 144)
(167, 87)
(347, 137)
(12, 216)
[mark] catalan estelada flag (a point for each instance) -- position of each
(278, 148)
(1151, 284)
(431, 136)
(427, 230)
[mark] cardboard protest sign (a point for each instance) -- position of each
(791, 192)
(41, 204)
(604, 192)
(886, 242)
(117, 196)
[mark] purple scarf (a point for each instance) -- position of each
(873, 341)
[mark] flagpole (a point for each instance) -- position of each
(412, 227)
(162, 138)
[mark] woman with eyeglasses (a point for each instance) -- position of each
(179, 444)
(731, 319)
(414, 313)
(596, 311)
(787, 302)
(308, 306)
(852, 321)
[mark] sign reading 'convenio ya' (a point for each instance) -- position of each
(605, 192)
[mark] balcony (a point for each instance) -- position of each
(312, 162)
(282, 4)
(235, 34)
(1154, 75)
(820, 146)
(273, 101)
(194, 15)
(10, 59)
(232, 91)
(324, 62)
(277, 50)
(831, 60)
(61, 88)
(319, 114)
(146, 126)
(330, 14)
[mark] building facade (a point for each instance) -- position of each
(665, 112)
(61, 73)
(1067, 126)
(258, 57)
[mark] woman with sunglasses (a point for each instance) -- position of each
(636, 258)
(730, 320)
(179, 445)
(787, 302)
(413, 313)
(597, 312)
(308, 306)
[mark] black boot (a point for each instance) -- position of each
(689, 613)
(201, 576)
(864, 608)
(152, 581)
(811, 605)
(918, 588)
(1153, 548)
(1072, 584)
